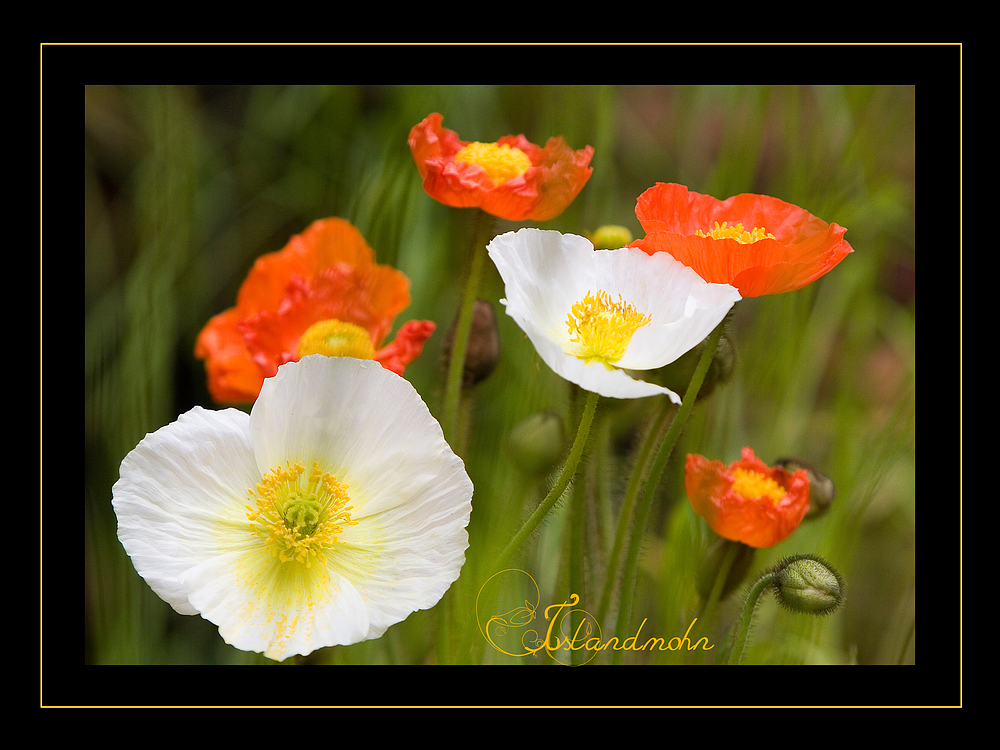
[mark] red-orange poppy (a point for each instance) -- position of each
(748, 501)
(512, 178)
(759, 244)
(322, 293)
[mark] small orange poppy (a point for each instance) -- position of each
(513, 178)
(748, 501)
(760, 245)
(322, 293)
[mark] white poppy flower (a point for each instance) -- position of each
(330, 512)
(592, 314)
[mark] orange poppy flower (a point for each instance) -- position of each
(322, 293)
(749, 501)
(760, 245)
(513, 178)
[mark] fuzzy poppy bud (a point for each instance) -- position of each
(483, 352)
(806, 583)
(535, 444)
(821, 487)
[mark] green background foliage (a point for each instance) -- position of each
(187, 185)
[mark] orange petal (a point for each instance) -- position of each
(804, 247)
(233, 376)
(757, 522)
(407, 345)
(324, 243)
(326, 272)
(557, 175)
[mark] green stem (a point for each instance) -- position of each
(656, 470)
(577, 521)
(635, 483)
(708, 607)
(460, 344)
(743, 631)
(576, 452)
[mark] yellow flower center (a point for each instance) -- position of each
(335, 338)
(300, 519)
(501, 162)
(602, 328)
(753, 484)
(737, 233)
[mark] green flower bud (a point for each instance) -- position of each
(611, 237)
(805, 583)
(536, 443)
(821, 488)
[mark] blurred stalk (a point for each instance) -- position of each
(460, 345)
(656, 470)
(569, 470)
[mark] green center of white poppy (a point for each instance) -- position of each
(300, 517)
(600, 328)
(303, 514)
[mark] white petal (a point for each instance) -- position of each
(410, 493)
(684, 309)
(180, 496)
(278, 609)
(545, 273)
(613, 383)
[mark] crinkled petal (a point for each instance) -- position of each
(406, 346)
(757, 522)
(327, 272)
(545, 273)
(595, 377)
(180, 498)
(410, 494)
(182, 502)
(277, 609)
(557, 175)
(803, 247)
(233, 375)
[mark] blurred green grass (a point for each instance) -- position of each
(186, 186)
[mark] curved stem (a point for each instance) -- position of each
(743, 631)
(576, 452)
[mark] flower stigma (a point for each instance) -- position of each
(501, 161)
(300, 521)
(603, 328)
(737, 232)
(753, 484)
(335, 338)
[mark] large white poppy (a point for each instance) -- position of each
(330, 512)
(592, 314)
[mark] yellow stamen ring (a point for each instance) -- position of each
(335, 338)
(737, 233)
(753, 484)
(501, 161)
(300, 520)
(602, 328)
